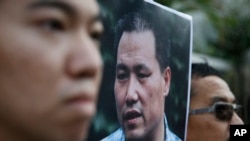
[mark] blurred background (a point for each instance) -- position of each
(221, 37)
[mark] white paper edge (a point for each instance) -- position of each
(170, 9)
(188, 17)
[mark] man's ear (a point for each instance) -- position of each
(167, 79)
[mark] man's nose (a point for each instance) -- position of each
(84, 59)
(132, 92)
(236, 119)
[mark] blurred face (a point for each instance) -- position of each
(50, 69)
(207, 91)
(140, 87)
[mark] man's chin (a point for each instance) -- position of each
(134, 139)
(134, 135)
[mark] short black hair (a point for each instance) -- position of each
(143, 20)
(200, 70)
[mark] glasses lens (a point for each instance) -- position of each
(224, 112)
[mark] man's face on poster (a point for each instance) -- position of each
(140, 86)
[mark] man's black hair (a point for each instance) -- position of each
(146, 20)
(200, 70)
(203, 69)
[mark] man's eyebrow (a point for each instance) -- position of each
(66, 8)
(97, 18)
(140, 67)
(121, 67)
(218, 99)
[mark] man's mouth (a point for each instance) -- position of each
(80, 103)
(133, 114)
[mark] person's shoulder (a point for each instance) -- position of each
(172, 137)
(115, 136)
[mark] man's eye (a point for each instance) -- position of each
(52, 25)
(96, 36)
(142, 75)
(122, 76)
(96, 31)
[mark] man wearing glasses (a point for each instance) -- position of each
(212, 106)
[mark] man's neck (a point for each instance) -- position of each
(157, 133)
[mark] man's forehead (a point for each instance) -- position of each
(214, 89)
(137, 41)
(85, 8)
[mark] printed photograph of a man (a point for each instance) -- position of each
(143, 77)
(142, 80)
(143, 44)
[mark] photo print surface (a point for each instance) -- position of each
(137, 91)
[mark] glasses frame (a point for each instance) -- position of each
(212, 108)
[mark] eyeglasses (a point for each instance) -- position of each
(223, 111)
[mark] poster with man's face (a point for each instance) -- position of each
(146, 49)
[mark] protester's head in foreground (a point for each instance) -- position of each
(50, 69)
(212, 105)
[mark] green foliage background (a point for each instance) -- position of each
(222, 30)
